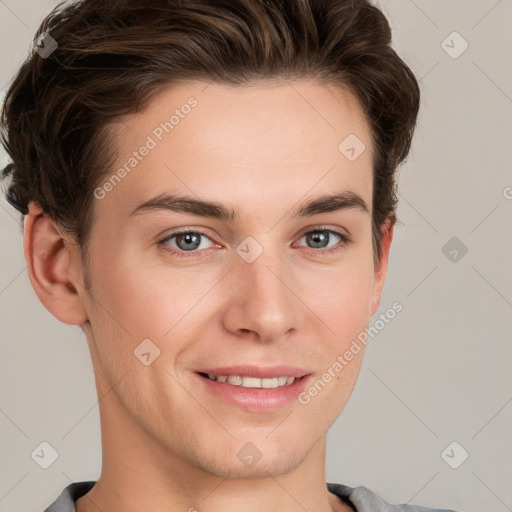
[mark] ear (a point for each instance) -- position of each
(382, 267)
(54, 267)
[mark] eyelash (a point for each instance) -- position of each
(345, 240)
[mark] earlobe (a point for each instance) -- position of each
(52, 269)
(382, 267)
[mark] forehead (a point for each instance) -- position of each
(266, 145)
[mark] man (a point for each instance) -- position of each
(208, 191)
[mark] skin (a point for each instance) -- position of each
(168, 444)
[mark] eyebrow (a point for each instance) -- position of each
(184, 204)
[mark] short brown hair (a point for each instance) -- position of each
(114, 56)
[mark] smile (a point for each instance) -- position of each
(255, 394)
(252, 382)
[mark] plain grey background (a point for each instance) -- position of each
(438, 373)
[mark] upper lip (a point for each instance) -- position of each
(257, 371)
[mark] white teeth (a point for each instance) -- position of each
(253, 382)
(236, 380)
(270, 383)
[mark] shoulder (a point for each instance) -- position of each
(66, 500)
(365, 500)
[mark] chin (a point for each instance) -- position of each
(272, 462)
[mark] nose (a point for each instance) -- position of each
(262, 298)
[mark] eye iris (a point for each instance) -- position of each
(318, 235)
(190, 238)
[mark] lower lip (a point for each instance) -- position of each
(256, 399)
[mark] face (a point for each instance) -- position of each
(263, 287)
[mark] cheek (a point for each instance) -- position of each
(341, 295)
(124, 310)
(140, 300)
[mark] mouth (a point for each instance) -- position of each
(246, 381)
(253, 393)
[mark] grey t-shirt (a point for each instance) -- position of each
(360, 498)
